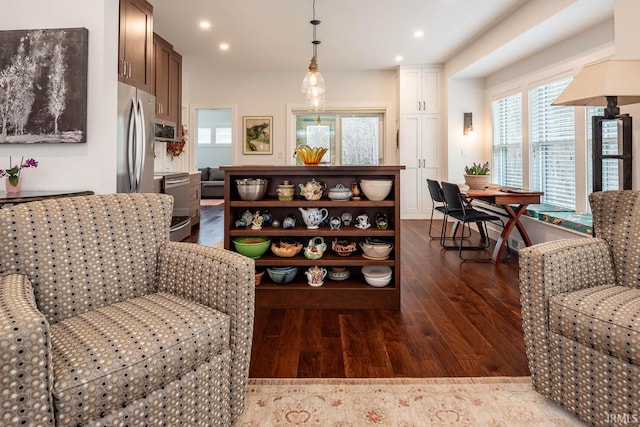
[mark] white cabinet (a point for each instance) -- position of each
(420, 90)
(420, 137)
(420, 154)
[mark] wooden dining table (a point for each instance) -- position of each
(514, 202)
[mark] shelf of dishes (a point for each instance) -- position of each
(377, 276)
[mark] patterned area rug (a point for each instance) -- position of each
(399, 402)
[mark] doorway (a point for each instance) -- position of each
(213, 137)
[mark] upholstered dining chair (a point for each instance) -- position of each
(581, 314)
(105, 322)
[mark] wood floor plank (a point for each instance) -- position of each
(456, 319)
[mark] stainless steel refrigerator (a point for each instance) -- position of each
(136, 116)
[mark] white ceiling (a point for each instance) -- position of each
(275, 35)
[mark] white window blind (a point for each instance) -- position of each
(552, 138)
(506, 169)
(611, 168)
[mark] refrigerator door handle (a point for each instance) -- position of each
(141, 145)
(130, 145)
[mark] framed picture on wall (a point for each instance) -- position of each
(43, 86)
(258, 133)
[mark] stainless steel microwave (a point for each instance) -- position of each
(165, 132)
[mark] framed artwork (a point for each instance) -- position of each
(258, 135)
(43, 96)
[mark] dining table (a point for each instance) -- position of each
(514, 202)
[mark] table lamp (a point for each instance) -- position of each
(609, 83)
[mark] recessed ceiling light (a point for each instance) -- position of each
(205, 25)
(399, 58)
(224, 46)
(418, 34)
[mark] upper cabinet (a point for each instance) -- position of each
(135, 49)
(420, 90)
(167, 83)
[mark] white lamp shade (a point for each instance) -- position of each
(620, 78)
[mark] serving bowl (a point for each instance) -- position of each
(343, 247)
(377, 275)
(252, 247)
(251, 188)
(286, 248)
(339, 273)
(310, 155)
(376, 189)
(259, 275)
(378, 251)
(282, 275)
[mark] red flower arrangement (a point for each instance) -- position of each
(175, 148)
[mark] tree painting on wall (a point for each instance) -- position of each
(43, 86)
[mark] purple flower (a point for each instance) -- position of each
(30, 163)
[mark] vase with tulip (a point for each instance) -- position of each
(13, 182)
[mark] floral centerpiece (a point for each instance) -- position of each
(13, 182)
(477, 176)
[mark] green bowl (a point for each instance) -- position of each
(252, 247)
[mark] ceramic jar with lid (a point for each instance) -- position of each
(339, 192)
(285, 191)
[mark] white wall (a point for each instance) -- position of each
(466, 96)
(89, 166)
(268, 94)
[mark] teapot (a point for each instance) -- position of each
(315, 249)
(312, 190)
(315, 275)
(313, 216)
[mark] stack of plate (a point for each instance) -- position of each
(377, 275)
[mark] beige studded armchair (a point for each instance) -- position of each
(581, 314)
(103, 321)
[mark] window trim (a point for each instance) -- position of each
(387, 156)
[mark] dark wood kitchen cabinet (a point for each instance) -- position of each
(167, 83)
(135, 47)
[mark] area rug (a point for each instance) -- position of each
(399, 402)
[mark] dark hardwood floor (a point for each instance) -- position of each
(456, 320)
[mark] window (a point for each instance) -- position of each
(552, 139)
(214, 126)
(351, 138)
(507, 141)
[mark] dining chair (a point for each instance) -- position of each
(438, 204)
(465, 214)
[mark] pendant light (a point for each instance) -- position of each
(313, 83)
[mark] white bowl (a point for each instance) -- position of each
(376, 189)
(376, 270)
(378, 282)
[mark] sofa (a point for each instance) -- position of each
(212, 183)
(581, 314)
(104, 321)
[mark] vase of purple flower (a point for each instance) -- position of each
(13, 183)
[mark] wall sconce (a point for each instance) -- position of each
(468, 124)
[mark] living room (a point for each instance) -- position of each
(486, 68)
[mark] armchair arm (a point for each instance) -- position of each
(26, 375)
(548, 269)
(220, 279)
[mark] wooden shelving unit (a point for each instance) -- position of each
(352, 293)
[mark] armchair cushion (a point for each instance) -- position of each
(605, 318)
(116, 354)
